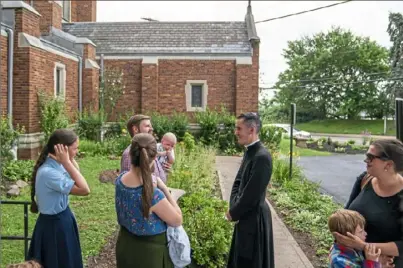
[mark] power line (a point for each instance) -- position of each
(332, 53)
(332, 77)
(303, 12)
(338, 84)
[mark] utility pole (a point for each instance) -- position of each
(292, 123)
(399, 119)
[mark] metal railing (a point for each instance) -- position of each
(25, 238)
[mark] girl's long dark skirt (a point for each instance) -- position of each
(142, 251)
(55, 242)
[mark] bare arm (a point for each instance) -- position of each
(353, 241)
(167, 209)
(75, 163)
(170, 156)
(169, 197)
(80, 184)
(389, 249)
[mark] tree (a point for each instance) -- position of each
(332, 74)
(395, 31)
(111, 89)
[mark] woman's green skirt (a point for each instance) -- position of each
(134, 251)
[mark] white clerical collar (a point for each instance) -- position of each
(256, 141)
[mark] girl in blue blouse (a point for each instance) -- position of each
(55, 241)
(144, 209)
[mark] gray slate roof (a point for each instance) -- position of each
(151, 38)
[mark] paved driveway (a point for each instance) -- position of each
(336, 173)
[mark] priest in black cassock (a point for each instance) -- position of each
(252, 240)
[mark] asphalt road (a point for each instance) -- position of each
(336, 173)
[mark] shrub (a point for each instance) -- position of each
(177, 124)
(202, 210)
(90, 123)
(189, 142)
(180, 124)
(53, 113)
(351, 142)
(271, 137)
(218, 130)
(227, 141)
(281, 171)
(114, 129)
(18, 170)
(109, 147)
(92, 148)
(8, 137)
(208, 122)
(209, 234)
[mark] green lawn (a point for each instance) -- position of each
(285, 150)
(348, 127)
(95, 214)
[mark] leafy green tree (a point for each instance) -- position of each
(333, 74)
(395, 31)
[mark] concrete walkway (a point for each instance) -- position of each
(287, 252)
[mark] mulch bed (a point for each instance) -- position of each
(107, 257)
(108, 176)
(304, 240)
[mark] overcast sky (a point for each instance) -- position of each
(367, 18)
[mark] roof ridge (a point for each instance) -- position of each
(148, 22)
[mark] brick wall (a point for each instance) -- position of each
(27, 22)
(247, 85)
(161, 87)
(90, 89)
(42, 78)
(3, 69)
(83, 11)
(131, 99)
(33, 71)
(89, 52)
(51, 15)
(90, 80)
(149, 88)
(173, 74)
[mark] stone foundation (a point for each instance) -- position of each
(30, 145)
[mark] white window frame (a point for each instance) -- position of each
(62, 3)
(62, 68)
(188, 93)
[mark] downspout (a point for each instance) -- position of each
(101, 104)
(80, 85)
(10, 66)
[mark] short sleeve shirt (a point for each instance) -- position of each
(129, 210)
(52, 187)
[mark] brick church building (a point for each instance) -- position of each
(59, 47)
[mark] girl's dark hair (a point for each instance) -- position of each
(60, 136)
(391, 149)
(142, 154)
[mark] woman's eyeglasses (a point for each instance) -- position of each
(371, 157)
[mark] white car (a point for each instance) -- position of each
(296, 132)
